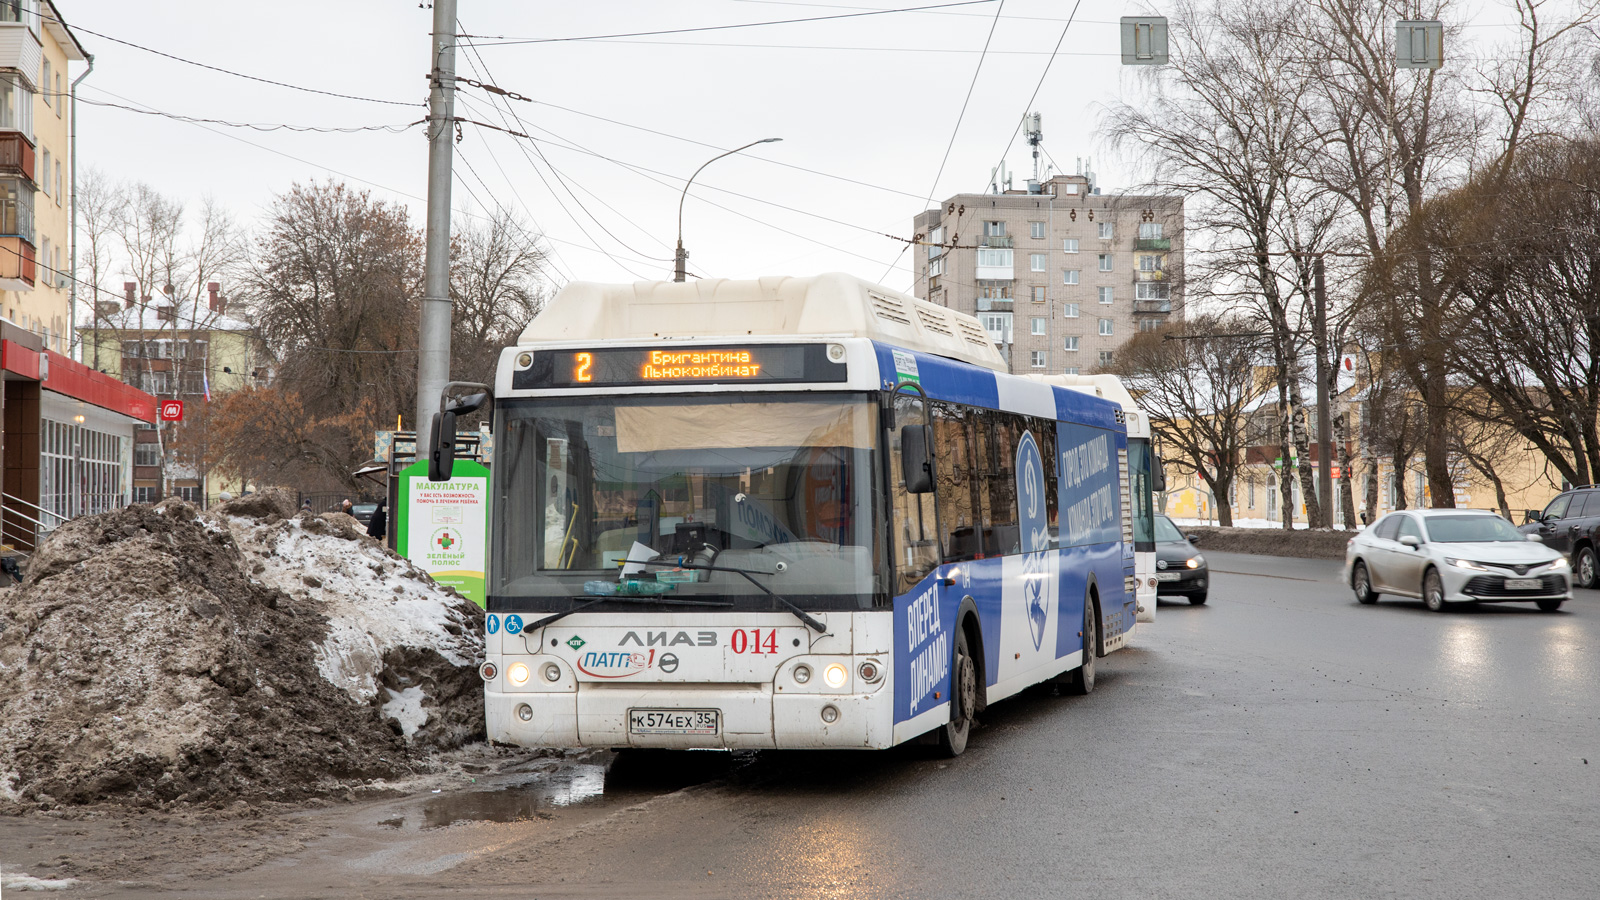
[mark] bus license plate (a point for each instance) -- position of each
(673, 721)
(1523, 584)
(1168, 576)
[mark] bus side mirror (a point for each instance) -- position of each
(1158, 477)
(915, 462)
(442, 459)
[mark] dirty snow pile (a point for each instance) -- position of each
(157, 654)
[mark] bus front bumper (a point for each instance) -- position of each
(748, 717)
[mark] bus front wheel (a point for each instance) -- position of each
(963, 699)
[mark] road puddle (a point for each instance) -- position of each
(514, 801)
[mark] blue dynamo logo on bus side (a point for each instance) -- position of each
(1035, 535)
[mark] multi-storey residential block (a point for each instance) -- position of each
(1060, 274)
(36, 47)
(177, 349)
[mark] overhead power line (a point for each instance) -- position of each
(254, 126)
(175, 58)
(503, 41)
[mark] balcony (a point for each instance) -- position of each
(1152, 306)
(995, 240)
(995, 304)
(1153, 244)
(16, 154)
(17, 267)
(20, 51)
(1152, 275)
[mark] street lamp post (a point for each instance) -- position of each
(678, 273)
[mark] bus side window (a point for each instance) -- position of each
(956, 482)
(912, 521)
(1004, 430)
(1044, 431)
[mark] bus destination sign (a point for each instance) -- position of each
(639, 366)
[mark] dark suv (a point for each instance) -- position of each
(1571, 524)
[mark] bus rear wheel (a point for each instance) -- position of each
(1080, 681)
(963, 699)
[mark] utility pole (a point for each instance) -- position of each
(433, 333)
(1324, 426)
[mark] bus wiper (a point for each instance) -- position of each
(748, 574)
(623, 598)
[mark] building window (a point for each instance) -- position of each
(1105, 262)
(146, 495)
(1149, 324)
(1038, 293)
(936, 268)
(1069, 245)
(1146, 290)
(147, 454)
(1105, 358)
(16, 104)
(992, 257)
(994, 229)
(44, 180)
(1069, 276)
(16, 209)
(935, 239)
(1105, 295)
(1072, 344)
(1105, 327)
(1036, 358)
(1070, 370)
(1151, 231)
(1036, 230)
(58, 94)
(992, 291)
(1149, 262)
(1036, 262)
(58, 182)
(1249, 483)
(44, 84)
(1069, 310)
(1106, 231)
(1036, 325)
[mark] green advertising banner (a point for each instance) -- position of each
(443, 526)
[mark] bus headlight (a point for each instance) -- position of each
(518, 673)
(830, 714)
(802, 673)
(524, 712)
(835, 675)
(552, 672)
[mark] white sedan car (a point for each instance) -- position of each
(1448, 556)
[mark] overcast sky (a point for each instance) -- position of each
(870, 99)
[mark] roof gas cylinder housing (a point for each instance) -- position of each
(832, 305)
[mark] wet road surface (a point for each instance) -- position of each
(1281, 741)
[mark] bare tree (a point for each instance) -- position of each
(1198, 382)
(496, 290)
(1229, 123)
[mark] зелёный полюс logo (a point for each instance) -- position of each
(445, 540)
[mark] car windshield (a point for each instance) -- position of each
(1471, 529)
(1166, 532)
(781, 485)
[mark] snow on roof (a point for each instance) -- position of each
(189, 315)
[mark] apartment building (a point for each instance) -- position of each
(36, 48)
(1060, 274)
(175, 348)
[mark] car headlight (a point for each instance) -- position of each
(1196, 561)
(1560, 564)
(1464, 564)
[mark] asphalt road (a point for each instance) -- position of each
(1282, 741)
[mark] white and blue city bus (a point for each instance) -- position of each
(795, 513)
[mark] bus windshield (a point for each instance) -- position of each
(780, 485)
